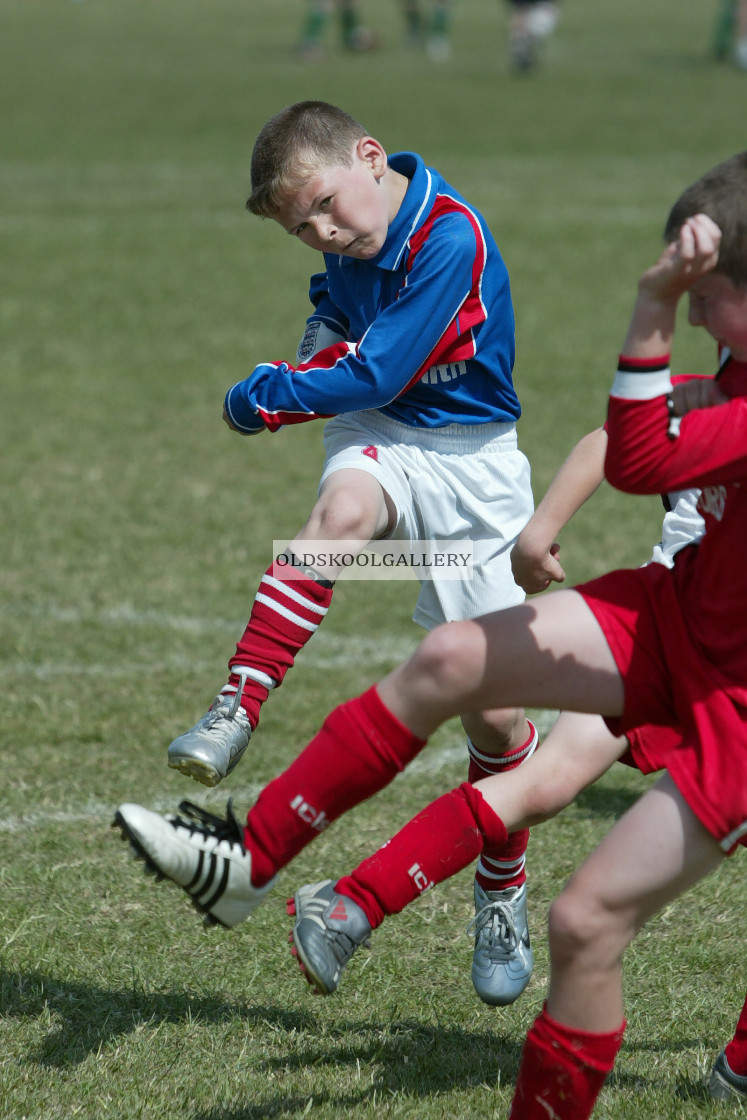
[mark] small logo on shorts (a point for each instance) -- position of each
(371, 451)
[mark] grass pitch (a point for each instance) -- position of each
(134, 290)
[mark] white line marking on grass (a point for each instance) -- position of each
(99, 812)
(329, 650)
(122, 615)
(337, 652)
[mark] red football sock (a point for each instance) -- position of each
(287, 611)
(736, 1051)
(441, 840)
(562, 1070)
(360, 748)
(502, 867)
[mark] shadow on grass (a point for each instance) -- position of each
(605, 801)
(398, 1083)
(94, 1016)
(414, 1059)
(410, 1060)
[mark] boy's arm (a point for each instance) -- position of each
(326, 325)
(534, 557)
(646, 454)
(415, 332)
(661, 287)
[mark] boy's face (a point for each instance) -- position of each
(719, 306)
(344, 210)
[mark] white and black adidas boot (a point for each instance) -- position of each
(328, 929)
(200, 852)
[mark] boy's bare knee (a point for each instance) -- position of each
(571, 927)
(583, 930)
(344, 514)
(549, 794)
(451, 656)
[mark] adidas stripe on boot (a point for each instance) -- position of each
(328, 929)
(202, 853)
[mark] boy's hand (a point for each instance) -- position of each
(700, 392)
(535, 566)
(686, 260)
(694, 254)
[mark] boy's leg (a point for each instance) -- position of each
(438, 45)
(521, 50)
(613, 894)
(355, 36)
(740, 47)
(736, 1051)
(728, 1080)
(572, 1045)
(502, 960)
(724, 29)
(365, 743)
(414, 23)
(576, 751)
(290, 605)
(549, 653)
(564, 765)
(441, 840)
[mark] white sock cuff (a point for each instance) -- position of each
(494, 762)
(500, 869)
(246, 671)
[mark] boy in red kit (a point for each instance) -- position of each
(652, 646)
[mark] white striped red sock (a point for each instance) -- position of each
(287, 611)
(504, 867)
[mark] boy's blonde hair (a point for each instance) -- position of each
(721, 194)
(295, 143)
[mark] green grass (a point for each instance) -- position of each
(134, 290)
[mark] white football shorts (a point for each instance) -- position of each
(456, 483)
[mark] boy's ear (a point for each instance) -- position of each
(371, 152)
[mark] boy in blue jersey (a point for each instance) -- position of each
(409, 350)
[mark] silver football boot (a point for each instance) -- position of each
(329, 927)
(212, 748)
(502, 960)
(724, 1084)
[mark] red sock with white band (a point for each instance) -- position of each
(288, 610)
(502, 867)
(445, 837)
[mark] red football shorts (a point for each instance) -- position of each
(700, 732)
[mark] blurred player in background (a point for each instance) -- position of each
(354, 35)
(428, 25)
(730, 33)
(530, 23)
